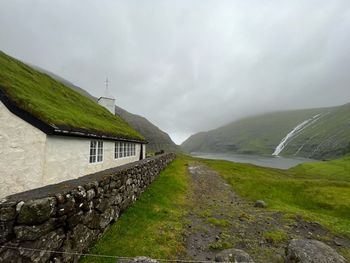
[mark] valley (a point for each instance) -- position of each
(321, 133)
(199, 207)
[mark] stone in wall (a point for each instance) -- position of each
(72, 215)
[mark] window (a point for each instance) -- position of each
(96, 151)
(93, 151)
(121, 150)
(124, 149)
(99, 151)
(116, 150)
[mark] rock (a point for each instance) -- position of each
(79, 194)
(90, 194)
(87, 206)
(139, 260)
(106, 218)
(233, 255)
(92, 219)
(10, 255)
(260, 203)
(68, 207)
(24, 232)
(60, 198)
(103, 205)
(51, 241)
(8, 211)
(77, 241)
(6, 230)
(36, 211)
(19, 206)
(75, 219)
(116, 200)
(311, 251)
(128, 181)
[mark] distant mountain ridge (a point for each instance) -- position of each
(323, 133)
(157, 139)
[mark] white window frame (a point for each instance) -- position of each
(124, 150)
(96, 152)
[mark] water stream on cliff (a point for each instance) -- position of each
(295, 132)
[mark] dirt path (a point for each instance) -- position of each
(221, 219)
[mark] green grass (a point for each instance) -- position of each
(334, 170)
(275, 236)
(55, 103)
(219, 245)
(218, 222)
(153, 225)
(318, 191)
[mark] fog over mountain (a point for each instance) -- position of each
(189, 66)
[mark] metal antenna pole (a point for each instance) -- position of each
(106, 82)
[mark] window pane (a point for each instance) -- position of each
(100, 151)
(120, 150)
(116, 150)
(92, 157)
(124, 144)
(93, 144)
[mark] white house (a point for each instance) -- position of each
(38, 149)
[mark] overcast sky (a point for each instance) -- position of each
(189, 66)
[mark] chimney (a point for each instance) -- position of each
(107, 100)
(108, 103)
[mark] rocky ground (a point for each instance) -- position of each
(221, 219)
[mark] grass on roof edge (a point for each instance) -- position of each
(54, 103)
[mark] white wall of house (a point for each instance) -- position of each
(31, 159)
(68, 158)
(22, 151)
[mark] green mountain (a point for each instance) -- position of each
(322, 133)
(157, 139)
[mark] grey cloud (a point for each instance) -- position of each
(189, 65)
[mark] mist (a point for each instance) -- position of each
(189, 66)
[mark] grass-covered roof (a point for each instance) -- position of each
(57, 105)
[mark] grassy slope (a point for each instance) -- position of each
(153, 225)
(55, 103)
(258, 134)
(328, 138)
(318, 191)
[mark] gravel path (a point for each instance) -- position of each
(221, 219)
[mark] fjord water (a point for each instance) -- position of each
(260, 160)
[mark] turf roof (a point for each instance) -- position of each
(57, 105)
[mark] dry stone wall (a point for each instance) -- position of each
(35, 226)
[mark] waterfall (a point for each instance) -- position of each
(293, 133)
